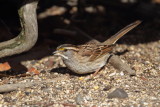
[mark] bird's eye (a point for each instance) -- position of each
(65, 50)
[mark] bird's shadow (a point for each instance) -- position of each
(121, 53)
(65, 70)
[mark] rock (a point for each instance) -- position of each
(118, 93)
(108, 87)
(79, 99)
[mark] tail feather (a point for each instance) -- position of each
(113, 39)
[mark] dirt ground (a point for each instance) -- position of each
(57, 86)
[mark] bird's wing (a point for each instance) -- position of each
(100, 51)
(94, 52)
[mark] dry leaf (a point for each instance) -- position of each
(4, 67)
(33, 70)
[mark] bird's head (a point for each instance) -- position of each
(66, 51)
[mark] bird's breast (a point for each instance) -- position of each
(84, 66)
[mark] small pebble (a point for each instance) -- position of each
(118, 93)
(108, 87)
(79, 99)
(96, 87)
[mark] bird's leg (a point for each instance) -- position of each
(117, 63)
(97, 71)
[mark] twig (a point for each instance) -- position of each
(12, 87)
(65, 32)
(82, 33)
(6, 27)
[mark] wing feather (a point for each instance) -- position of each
(100, 51)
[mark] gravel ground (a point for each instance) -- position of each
(62, 88)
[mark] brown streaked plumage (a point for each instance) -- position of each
(94, 51)
(91, 56)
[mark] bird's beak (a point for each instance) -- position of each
(55, 52)
(58, 53)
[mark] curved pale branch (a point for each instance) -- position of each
(29, 33)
